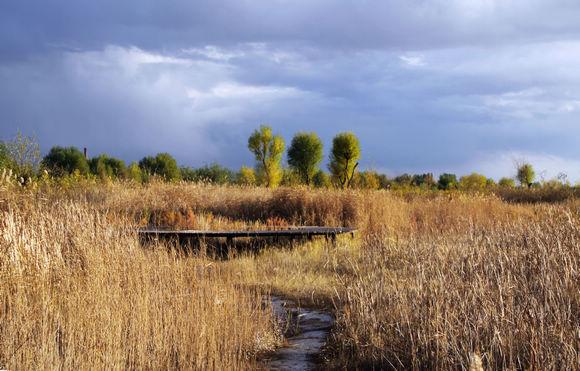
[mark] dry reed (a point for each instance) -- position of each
(442, 281)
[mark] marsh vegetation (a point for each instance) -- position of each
(431, 280)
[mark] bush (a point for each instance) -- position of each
(134, 172)
(246, 176)
(507, 183)
(62, 161)
(214, 173)
(107, 167)
(447, 181)
(473, 182)
(163, 165)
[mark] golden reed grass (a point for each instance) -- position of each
(441, 281)
(78, 292)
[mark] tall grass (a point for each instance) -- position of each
(78, 292)
(508, 293)
(442, 281)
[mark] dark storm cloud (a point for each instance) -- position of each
(427, 85)
(408, 24)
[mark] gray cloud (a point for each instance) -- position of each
(427, 85)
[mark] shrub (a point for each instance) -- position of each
(246, 176)
(134, 172)
(163, 165)
(62, 161)
(507, 183)
(107, 167)
(447, 181)
(214, 173)
(473, 182)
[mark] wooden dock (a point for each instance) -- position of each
(290, 232)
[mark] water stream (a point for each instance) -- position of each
(306, 333)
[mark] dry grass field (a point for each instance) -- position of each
(438, 280)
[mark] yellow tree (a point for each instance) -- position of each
(267, 149)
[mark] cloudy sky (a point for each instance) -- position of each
(427, 85)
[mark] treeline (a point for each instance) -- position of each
(21, 157)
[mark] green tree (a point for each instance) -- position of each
(214, 173)
(525, 175)
(305, 155)
(506, 183)
(447, 181)
(134, 172)
(163, 165)
(368, 179)
(403, 180)
(473, 182)
(321, 179)
(344, 158)
(65, 160)
(424, 180)
(107, 167)
(267, 149)
(246, 176)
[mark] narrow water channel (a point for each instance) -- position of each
(306, 333)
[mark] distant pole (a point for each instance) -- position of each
(85, 152)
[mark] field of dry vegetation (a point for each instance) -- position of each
(438, 280)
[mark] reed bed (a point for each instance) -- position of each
(433, 281)
(78, 292)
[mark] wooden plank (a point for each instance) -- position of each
(289, 232)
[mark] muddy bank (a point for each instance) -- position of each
(306, 331)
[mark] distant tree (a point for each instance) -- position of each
(267, 149)
(384, 181)
(305, 155)
(403, 180)
(321, 179)
(24, 154)
(447, 181)
(506, 183)
(163, 165)
(134, 172)
(563, 178)
(344, 158)
(525, 175)
(490, 183)
(107, 167)
(65, 160)
(424, 180)
(246, 176)
(214, 173)
(473, 182)
(368, 179)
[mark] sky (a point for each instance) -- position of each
(427, 85)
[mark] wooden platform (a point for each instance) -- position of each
(290, 232)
